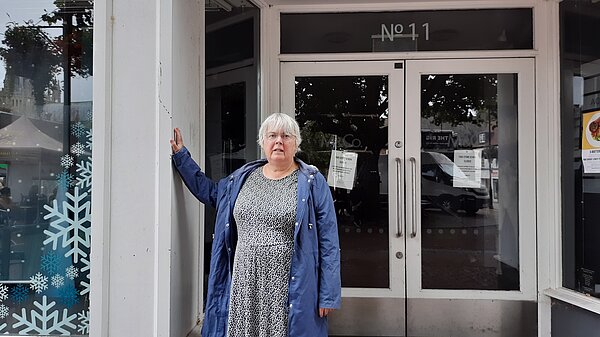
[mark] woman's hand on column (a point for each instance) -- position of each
(177, 143)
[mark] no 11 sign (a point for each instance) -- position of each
(394, 30)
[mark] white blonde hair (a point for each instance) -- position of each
(279, 122)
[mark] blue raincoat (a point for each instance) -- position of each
(315, 271)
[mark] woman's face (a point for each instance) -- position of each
(279, 147)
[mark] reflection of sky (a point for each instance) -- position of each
(20, 11)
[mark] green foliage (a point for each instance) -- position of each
(79, 40)
(345, 112)
(30, 54)
(458, 99)
(79, 10)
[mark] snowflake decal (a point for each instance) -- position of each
(66, 161)
(38, 283)
(2, 326)
(72, 272)
(3, 311)
(74, 230)
(78, 130)
(51, 263)
(3, 292)
(45, 321)
(65, 180)
(84, 168)
(77, 149)
(57, 281)
(84, 322)
(19, 294)
(88, 142)
(68, 296)
(84, 284)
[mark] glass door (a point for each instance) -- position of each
(351, 119)
(431, 165)
(470, 247)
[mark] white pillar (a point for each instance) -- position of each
(146, 226)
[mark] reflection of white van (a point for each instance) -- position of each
(437, 179)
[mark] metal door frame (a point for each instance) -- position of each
(376, 311)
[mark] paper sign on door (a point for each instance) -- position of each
(342, 169)
(467, 169)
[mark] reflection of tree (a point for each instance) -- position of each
(458, 99)
(358, 106)
(79, 40)
(315, 146)
(341, 106)
(79, 10)
(31, 53)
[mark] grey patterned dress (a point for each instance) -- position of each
(265, 213)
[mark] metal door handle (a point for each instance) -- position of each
(399, 190)
(413, 172)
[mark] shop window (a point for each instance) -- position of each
(580, 136)
(45, 166)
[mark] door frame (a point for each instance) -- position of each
(409, 86)
(410, 304)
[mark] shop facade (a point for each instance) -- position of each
(458, 138)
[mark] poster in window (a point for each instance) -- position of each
(342, 169)
(590, 142)
(467, 168)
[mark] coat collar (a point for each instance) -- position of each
(304, 168)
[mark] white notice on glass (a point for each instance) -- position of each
(342, 169)
(467, 169)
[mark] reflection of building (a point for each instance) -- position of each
(20, 101)
(20, 98)
(80, 111)
(17, 97)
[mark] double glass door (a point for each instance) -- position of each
(431, 167)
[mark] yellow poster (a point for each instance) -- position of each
(590, 142)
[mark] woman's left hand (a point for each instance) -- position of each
(323, 312)
(177, 141)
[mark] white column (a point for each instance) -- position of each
(146, 235)
(134, 175)
(548, 145)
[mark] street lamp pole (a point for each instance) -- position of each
(67, 31)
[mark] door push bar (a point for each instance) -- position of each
(413, 171)
(399, 190)
(399, 203)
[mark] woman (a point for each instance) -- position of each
(275, 265)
